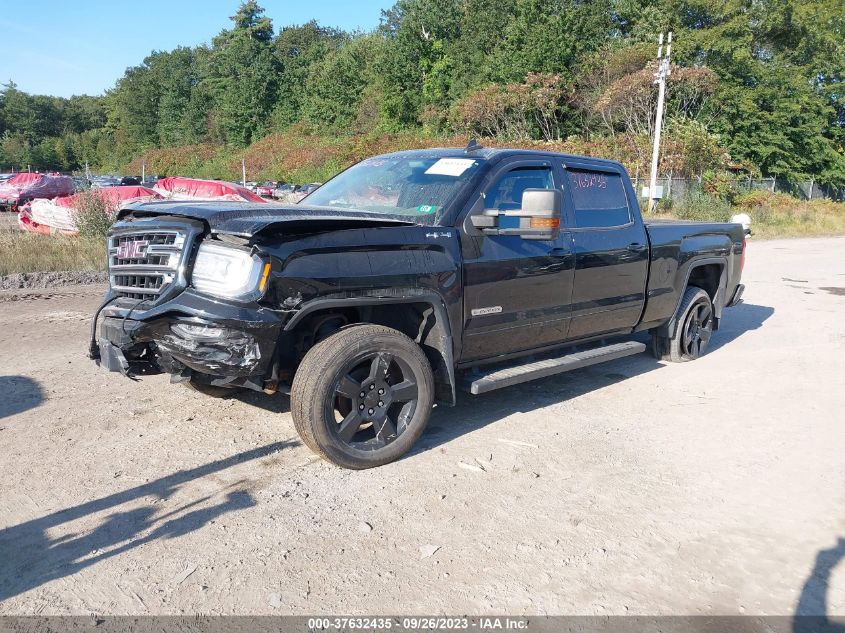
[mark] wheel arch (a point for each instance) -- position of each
(711, 275)
(423, 318)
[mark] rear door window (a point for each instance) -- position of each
(598, 198)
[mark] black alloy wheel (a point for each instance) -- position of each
(373, 401)
(698, 329)
(362, 396)
(695, 324)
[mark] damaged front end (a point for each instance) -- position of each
(210, 349)
(183, 347)
(153, 321)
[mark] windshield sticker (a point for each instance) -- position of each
(428, 209)
(450, 167)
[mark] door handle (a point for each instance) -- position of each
(635, 246)
(559, 252)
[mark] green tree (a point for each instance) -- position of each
(412, 29)
(778, 101)
(245, 75)
(14, 150)
(298, 48)
(550, 36)
(178, 80)
(482, 30)
(19, 116)
(84, 112)
(335, 85)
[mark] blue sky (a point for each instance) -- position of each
(67, 47)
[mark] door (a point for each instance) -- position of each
(516, 291)
(611, 251)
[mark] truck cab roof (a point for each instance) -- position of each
(496, 154)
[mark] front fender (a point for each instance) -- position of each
(436, 336)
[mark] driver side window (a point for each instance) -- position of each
(506, 193)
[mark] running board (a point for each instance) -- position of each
(542, 368)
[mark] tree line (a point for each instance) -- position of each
(756, 84)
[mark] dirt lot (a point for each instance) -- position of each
(713, 487)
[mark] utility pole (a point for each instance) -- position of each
(663, 71)
(243, 172)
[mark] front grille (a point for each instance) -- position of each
(143, 265)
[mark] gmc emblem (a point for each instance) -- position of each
(133, 249)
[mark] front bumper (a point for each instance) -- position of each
(227, 352)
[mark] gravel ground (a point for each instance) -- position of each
(635, 487)
(18, 281)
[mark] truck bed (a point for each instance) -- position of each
(675, 245)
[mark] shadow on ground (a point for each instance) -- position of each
(737, 321)
(474, 412)
(812, 614)
(31, 556)
(540, 393)
(277, 403)
(18, 394)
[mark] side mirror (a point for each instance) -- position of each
(538, 219)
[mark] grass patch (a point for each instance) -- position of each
(29, 252)
(779, 215)
(773, 215)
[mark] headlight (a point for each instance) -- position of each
(227, 272)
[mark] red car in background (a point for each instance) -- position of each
(265, 189)
(25, 186)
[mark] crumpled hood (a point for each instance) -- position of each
(247, 219)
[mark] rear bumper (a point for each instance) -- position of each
(737, 297)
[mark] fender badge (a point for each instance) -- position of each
(439, 234)
(490, 310)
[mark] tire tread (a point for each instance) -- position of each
(668, 348)
(306, 403)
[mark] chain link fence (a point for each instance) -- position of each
(808, 190)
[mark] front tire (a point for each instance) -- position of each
(362, 397)
(693, 332)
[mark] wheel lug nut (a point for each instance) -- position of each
(363, 394)
(372, 387)
(371, 411)
(381, 392)
(361, 407)
(380, 403)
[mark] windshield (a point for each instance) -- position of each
(417, 188)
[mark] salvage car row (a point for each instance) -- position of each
(50, 203)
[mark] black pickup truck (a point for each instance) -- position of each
(405, 278)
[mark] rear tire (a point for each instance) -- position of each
(693, 330)
(358, 431)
